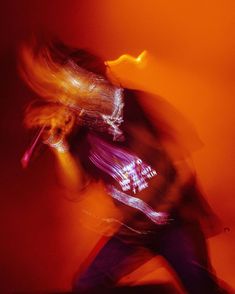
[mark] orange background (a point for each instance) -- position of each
(190, 63)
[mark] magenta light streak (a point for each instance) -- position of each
(28, 153)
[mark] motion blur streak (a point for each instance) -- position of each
(189, 62)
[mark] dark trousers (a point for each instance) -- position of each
(183, 247)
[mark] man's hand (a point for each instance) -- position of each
(57, 128)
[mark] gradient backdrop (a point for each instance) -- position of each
(190, 62)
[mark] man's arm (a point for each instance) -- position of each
(70, 171)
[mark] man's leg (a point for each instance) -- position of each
(113, 261)
(188, 258)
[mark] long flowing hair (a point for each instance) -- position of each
(70, 83)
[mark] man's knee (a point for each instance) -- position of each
(86, 283)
